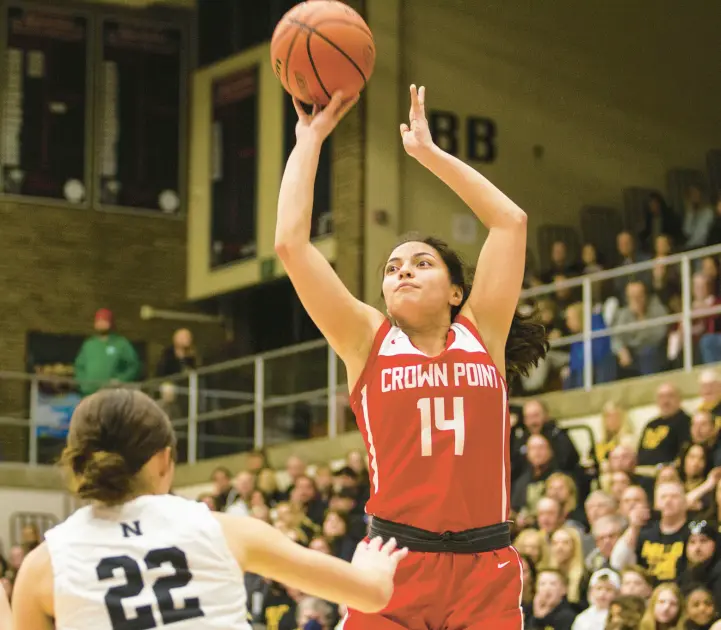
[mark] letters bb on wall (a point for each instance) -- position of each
(473, 138)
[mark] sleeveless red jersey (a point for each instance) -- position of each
(437, 431)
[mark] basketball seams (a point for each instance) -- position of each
(312, 65)
(360, 27)
(293, 22)
(312, 30)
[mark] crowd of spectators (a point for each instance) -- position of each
(633, 298)
(623, 537)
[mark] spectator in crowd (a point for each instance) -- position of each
(658, 218)
(666, 278)
(304, 495)
(665, 610)
(700, 609)
(267, 483)
(533, 544)
(640, 351)
(530, 575)
(566, 555)
(169, 403)
(590, 260)
(623, 458)
(562, 487)
(548, 368)
(634, 497)
(618, 482)
(530, 486)
(625, 613)
(294, 467)
(256, 461)
(606, 532)
(549, 516)
(561, 264)
(705, 432)
(536, 421)
(602, 590)
(664, 437)
(604, 365)
(698, 218)
(701, 563)
(656, 545)
(314, 614)
(699, 482)
(714, 233)
(335, 531)
(106, 358)
(710, 392)
(615, 426)
(636, 582)
(701, 327)
(222, 486)
(238, 501)
(629, 255)
(179, 357)
(550, 608)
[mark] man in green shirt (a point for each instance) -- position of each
(105, 357)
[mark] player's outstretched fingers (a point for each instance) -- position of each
(375, 544)
(399, 554)
(390, 546)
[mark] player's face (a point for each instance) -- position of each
(416, 283)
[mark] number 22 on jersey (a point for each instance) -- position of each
(433, 412)
(143, 617)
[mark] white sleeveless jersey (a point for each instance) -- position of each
(154, 562)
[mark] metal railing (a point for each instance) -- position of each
(283, 395)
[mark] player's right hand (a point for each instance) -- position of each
(319, 124)
(375, 556)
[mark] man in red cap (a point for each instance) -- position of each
(105, 357)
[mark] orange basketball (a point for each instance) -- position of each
(320, 47)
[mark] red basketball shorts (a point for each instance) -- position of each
(447, 591)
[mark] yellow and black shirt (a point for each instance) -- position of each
(659, 552)
(663, 438)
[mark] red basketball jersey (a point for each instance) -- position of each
(437, 431)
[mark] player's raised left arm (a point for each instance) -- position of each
(33, 592)
(499, 271)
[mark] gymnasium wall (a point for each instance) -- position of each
(612, 94)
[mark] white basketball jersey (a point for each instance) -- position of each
(154, 562)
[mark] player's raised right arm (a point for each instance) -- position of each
(347, 323)
(366, 584)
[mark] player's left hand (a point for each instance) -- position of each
(416, 135)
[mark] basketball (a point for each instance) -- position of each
(320, 47)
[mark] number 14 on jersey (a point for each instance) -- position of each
(433, 412)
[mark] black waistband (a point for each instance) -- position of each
(478, 540)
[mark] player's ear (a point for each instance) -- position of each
(456, 295)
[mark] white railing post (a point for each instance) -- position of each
(332, 393)
(193, 417)
(686, 312)
(259, 403)
(587, 328)
(33, 437)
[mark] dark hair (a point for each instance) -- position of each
(223, 470)
(113, 433)
(527, 341)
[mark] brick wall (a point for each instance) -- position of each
(57, 266)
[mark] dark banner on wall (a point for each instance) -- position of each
(139, 101)
(43, 138)
(234, 169)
